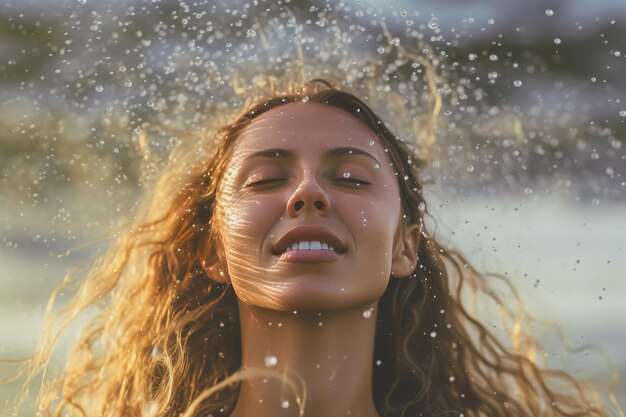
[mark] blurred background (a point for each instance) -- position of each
(527, 174)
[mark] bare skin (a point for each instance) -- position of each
(314, 318)
(334, 359)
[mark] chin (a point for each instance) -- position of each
(328, 299)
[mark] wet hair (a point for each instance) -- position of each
(166, 339)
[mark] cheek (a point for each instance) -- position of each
(373, 221)
(246, 223)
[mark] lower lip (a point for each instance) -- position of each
(305, 255)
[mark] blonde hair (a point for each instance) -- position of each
(166, 339)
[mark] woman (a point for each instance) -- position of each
(285, 270)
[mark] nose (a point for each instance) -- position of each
(308, 196)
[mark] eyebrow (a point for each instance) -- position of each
(288, 154)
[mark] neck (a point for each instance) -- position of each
(332, 352)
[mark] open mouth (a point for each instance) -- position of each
(309, 238)
(310, 245)
(309, 251)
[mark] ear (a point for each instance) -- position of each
(404, 258)
(213, 261)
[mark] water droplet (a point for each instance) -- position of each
(493, 57)
(381, 49)
(421, 206)
(594, 79)
(451, 379)
(346, 174)
(491, 21)
(376, 165)
(251, 33)
(271, 360)
(517, 83)
(285, 404)
(433, 24)
(472, 57)
(99, 88)
(128, 83)
(549, 12)
(470, 168)
(622, 113)
(152, 409)
(557, 41)
(617, 53)
(367, 313)
(371, 143)
(305, 99)
(403, 13)
(378, 362)
(433, 334)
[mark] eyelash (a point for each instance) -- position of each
(354, 181)
(264, 182)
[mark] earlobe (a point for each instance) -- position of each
(404, 259)
(213, 263)
(217, 273)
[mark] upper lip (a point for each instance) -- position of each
(308, 233)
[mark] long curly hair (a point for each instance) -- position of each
(165, 338)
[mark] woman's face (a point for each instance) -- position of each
(300, 174)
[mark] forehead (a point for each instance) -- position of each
(307, 127)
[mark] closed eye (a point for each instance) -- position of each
(264, 182)
(352, 181)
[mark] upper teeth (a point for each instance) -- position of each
(310, 245)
